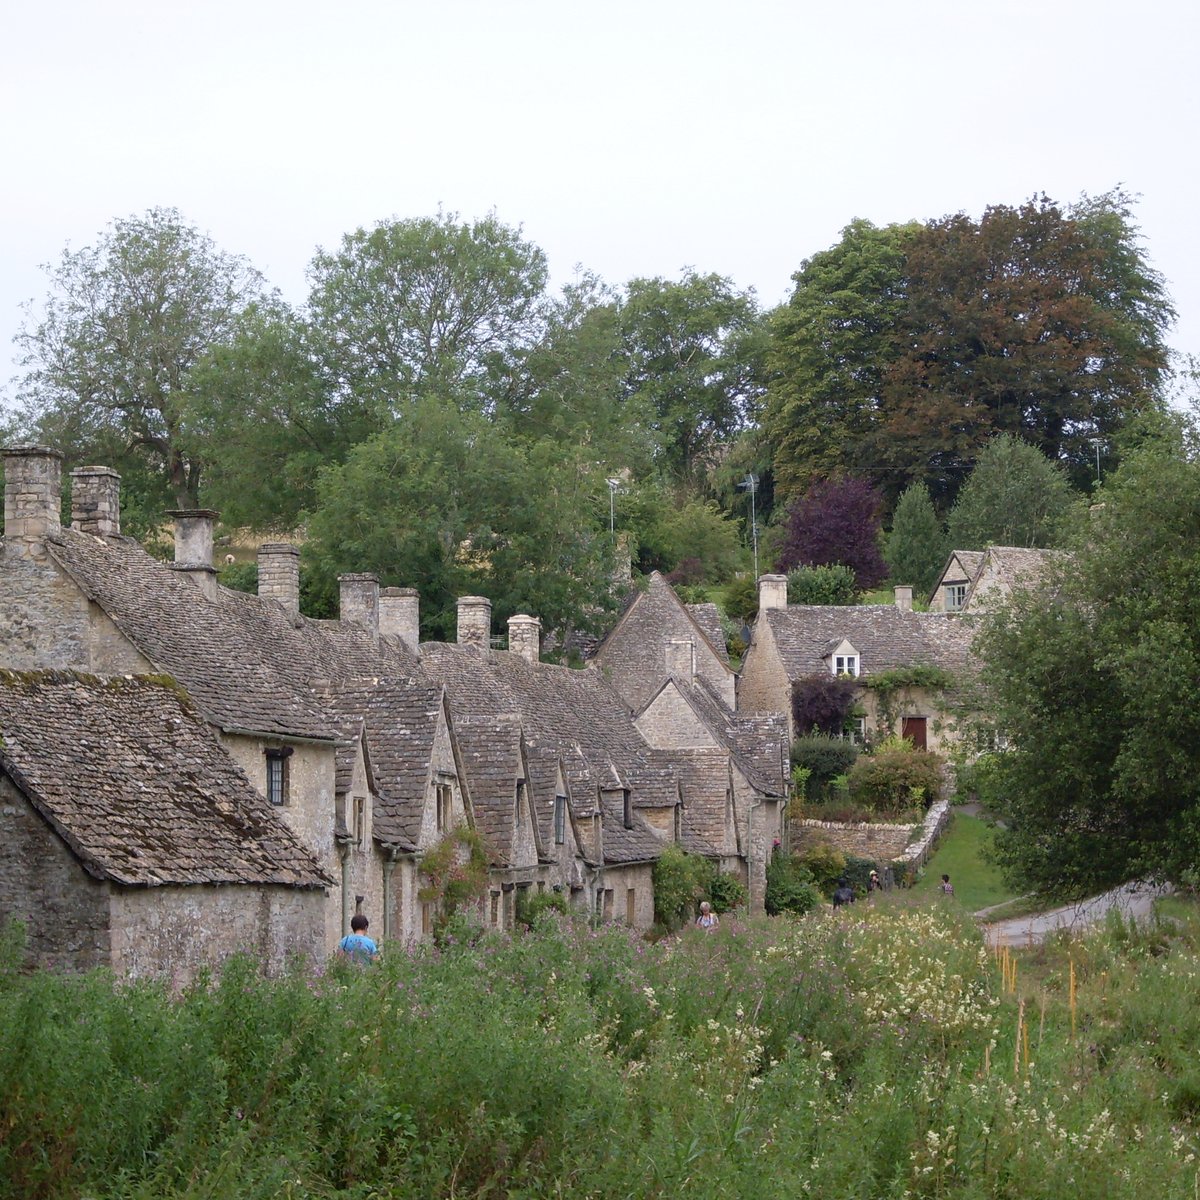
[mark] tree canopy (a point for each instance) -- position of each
(1094, 682)
(110, 352)
(836, 521)
(904, 350)
(917, 545)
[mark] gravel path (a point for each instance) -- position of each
(1135, 901)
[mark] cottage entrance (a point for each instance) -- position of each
(912, 729)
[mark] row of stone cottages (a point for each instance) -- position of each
(187, 770)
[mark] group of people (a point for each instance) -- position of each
(844, 893)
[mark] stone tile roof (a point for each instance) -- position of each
(247, 664)
(1009, 567)
(400, 718)
(757, 742)
(700, 778)
(637, 844)
(708, 618)
(970, 560)
(491, 757)
(884, 636)
(139, 786)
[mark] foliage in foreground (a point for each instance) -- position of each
(870, 1052)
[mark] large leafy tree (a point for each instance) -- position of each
(917, 545)
(429, 306)
(1015, 496)
(110, 352)
(692, 350)
(1094, 680)
(907, 349)
(448, 500)
(836, 521)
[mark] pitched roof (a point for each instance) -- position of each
(1009, 567)
(708, 618)
(491, 757)
(400, 717)
(247, 664)
(884, 636)
(139, 786)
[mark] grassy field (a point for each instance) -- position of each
(962, 854)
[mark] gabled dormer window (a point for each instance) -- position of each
(956, 596)
(560, 820)
(445, 806)
(627, 809)
(845, 664)
(843, 658)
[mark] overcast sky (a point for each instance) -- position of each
(633, 138)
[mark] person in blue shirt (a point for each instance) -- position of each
(356, 946)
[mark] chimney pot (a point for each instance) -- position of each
(279, 574)
(772, 592)
(358, 600)
(96, 501)
(525, 637)
(904, 595)
(400, 615)
(32, 488)
(475, 622)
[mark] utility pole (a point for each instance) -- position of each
(614, 486)
(751, 484)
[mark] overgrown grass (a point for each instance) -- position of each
(962, 854)
(878, 1052)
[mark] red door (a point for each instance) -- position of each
(912, 729)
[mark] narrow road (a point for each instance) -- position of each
(1135, 901)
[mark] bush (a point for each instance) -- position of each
(822, 703)
(828, 585)
(825, 864)
(740, 599)
(824, 758)
(680, 879)
(726, 892)
(896, 778)
(531, 906)
(790, 887)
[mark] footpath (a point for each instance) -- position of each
(1134, 901)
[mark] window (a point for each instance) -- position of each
(560, 820)
(845, 664)
(630, 906)
(628, 809)
(495, 908)
(445, 806)
(855, 731)
(277, 775)
(360, 821)
(956, 595)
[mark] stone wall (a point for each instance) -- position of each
(43, 615)
(42, 884)
(910, 843)
(621, 882)
(175, 931)
(671, 722)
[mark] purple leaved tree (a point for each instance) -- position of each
(837, 521)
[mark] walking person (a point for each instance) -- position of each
(946, 887)
(356, 946)
(707, 918)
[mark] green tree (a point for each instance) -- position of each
(109, 355)
(428, 306)
(907, 349)
(1097, 692)
(693, 351)
(1014, 497)
(447, 500)
(917, 546)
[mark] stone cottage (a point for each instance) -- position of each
(131, 839)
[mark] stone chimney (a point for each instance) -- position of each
(904, 597)
(772, 592)
(96, 501)
(279, 575)
(525, 636)
(681, 659)
(358, 600)
(194, 547)
(475, 622)
(32, 486)
(400, 615)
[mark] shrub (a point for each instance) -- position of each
(822, 703)
(824, 758)
(680, 879)
(829, 585)
(531, 906)
(740, 599)
(790, 887)
(825, 864)
(896, 778)
(726, 892)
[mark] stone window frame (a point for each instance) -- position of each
(955, 596)
(560, 819)
(278, 775)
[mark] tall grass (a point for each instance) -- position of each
(878, 1053)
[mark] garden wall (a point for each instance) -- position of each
(913, 843)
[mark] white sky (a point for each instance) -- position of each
(633, 138)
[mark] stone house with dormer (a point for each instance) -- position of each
(795, 641)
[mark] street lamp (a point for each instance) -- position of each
(614, 486)
(1096, 442)
(751, 484)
